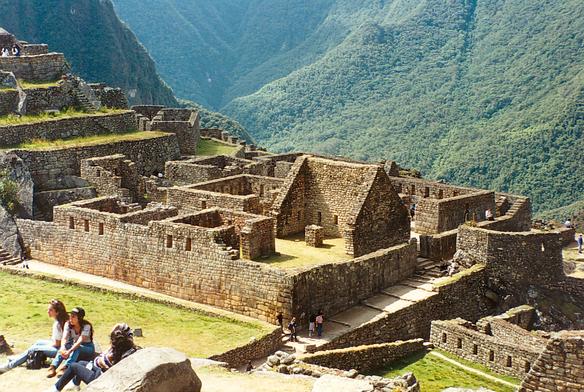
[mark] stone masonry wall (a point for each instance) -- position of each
(62, 128)
(39, 100)
(335, 287)
(49, 167)
(8, 102)
(560, 367)
(255, 349)
(40, 68)
(501, 351)
(421, 188)
(365, 359)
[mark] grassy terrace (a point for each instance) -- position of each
(70, 113)
(23, 318)
(293, 253)
(32, 85)
(214, 147)
(435, 374)
(84, 141)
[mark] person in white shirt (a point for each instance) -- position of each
(5, 52)
(489, 215)
(568, 224)
(57, 312)
(77, 340)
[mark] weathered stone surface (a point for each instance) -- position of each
(18, 172)
(9, 237)
(150, 370)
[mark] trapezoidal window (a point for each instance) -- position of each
(491, 355)
(169, 241)
(475, 349)
(427, 192)
(203, 204)
(189, 245)
(527, 366)
(85, 225)
(444, 337)
(440, 193)
(509, 361)
(100, 228)
(319, 218)
(71, 222)
(459, 343)
(336, 219)
(299, 215)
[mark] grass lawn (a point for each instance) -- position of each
(214, 147)
(434, 374)
(33, 85)
(42, 117)
(41, 144)
(293, 253)
(23, 318)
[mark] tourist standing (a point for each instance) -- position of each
(57, 312)
(319, 323)
(568, 224)
(580, 242)
(15, 51)
(489, 215)
(5, 52)
(292, 327)
(311, 325)
(280, 320)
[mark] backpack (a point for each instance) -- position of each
(35, 360)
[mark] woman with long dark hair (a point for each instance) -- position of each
(56, 310)
(77, 340)
(122, 345)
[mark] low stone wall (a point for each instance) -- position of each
(49, 167)
(463, 296)
(38, 68)
(365, 359)
(505, 348)
(39, 100)
(516, 218)
(8, 102)
(439, 246)
(335, 287)
(421, 188)
(560, 367)
(63, 128)
(255, 349)
(45, 201)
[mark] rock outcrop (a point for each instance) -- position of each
(150, 370)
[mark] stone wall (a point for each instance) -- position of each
(50, 168)
(497, 344)
(58, 97)
(114, 175)
(256, 349)
(335, 287)
(560, 367)
(421, 188)
(46, 200)
(113, 98)
(185, 123)
(62, 128)
(8, 101)
(197, 170)
(365, 359)
(40, 68)
(35, 49)
(463, 296)
(439, 215)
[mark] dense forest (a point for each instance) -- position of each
(487, 93)
(97, 44)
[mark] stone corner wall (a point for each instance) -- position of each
(366, 358)
(560, 367)
(255, 349)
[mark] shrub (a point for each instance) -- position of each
(8, 192)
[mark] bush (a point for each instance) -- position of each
(8, 192)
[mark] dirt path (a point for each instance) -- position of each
(473, 370)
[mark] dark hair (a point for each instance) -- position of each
(122, 341)
(80, 313)
(62, 315)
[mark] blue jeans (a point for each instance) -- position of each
(78, 372)
(85, 349)
(46, 346)
(319, 329)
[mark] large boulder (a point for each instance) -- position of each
(149, 370)
(9, 237)
(17, 171)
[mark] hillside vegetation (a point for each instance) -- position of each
(483, 93)
(97, 44)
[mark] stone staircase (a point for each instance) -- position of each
(407, 292)
(85, 95)
(7, 259)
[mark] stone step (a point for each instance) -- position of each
(408, 293)
(355, 316)
(386, 303)
(427, 285)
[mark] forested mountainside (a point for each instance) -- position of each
(97, 44)
(487, 93)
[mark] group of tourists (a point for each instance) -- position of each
(72, 348)
(315, 325)
(7, 52)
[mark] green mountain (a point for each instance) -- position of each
(97, 44)
(486, 93)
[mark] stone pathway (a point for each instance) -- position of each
(472, 370)
(414, 289)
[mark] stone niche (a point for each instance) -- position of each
(314, 235)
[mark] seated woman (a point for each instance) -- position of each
(57, 312)
(77, 340)
(122, 345)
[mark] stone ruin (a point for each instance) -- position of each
(151, 212)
